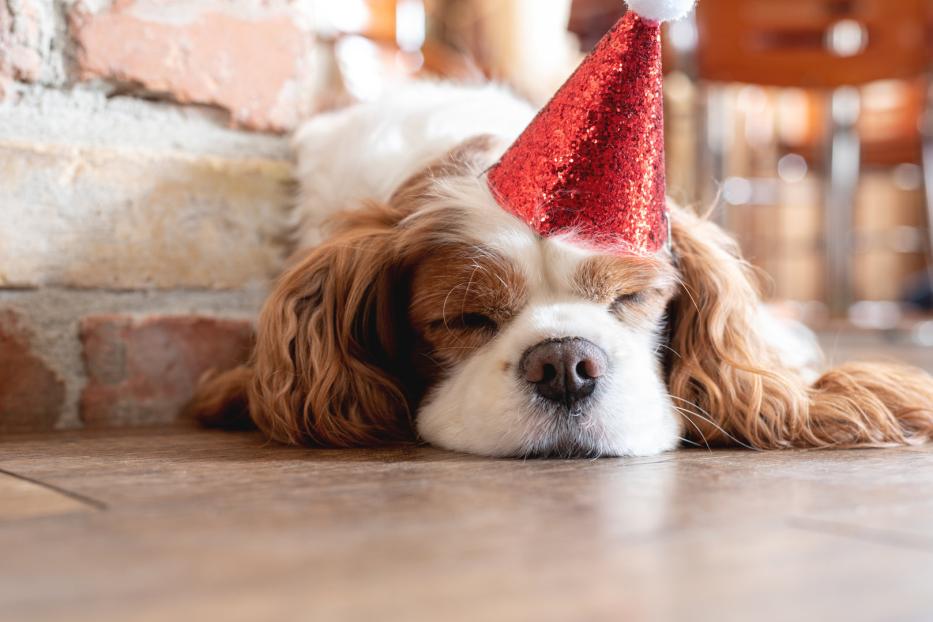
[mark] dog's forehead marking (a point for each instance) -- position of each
(549, 265)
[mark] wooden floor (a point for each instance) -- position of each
(175, 524)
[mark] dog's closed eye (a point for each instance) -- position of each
(467, 322)
(629, 298)
(642, 305)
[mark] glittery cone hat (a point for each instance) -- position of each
(591, 164)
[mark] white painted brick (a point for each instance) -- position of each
(146, 198)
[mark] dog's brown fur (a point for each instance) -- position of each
(732, 385)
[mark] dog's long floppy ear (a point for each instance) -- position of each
(327, 338)
(332, 363)
(732, 385)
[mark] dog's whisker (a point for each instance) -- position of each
(695, 427)
(668, 348)
(688, 413)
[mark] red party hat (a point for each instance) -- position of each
(591, 164)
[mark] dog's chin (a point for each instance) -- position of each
(529, 428)
(565, 433)
(564, 438)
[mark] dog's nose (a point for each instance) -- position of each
(564, 370)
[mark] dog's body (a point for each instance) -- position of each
(426, 311)
(366, 152)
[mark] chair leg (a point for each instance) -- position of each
(843, 171)
(927, 163)
(712, 145)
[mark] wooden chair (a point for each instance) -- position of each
(831, 45)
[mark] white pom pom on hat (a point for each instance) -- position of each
(661, 10)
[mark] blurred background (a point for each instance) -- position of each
(801, 124)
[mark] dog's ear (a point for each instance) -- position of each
(333, 362)
(325, 368)
(732, 385)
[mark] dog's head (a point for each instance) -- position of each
(531, 345)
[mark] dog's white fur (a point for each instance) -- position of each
(367, 151)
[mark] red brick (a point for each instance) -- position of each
(252, 62)
(142, 371)
(20, 41)
(31, 394)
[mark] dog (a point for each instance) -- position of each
(416, 309)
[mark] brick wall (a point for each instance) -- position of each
(143, 174)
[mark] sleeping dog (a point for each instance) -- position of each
(418, 309)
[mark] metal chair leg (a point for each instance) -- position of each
(843, 170)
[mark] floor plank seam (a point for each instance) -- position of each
(77, 496)
(875, 535)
